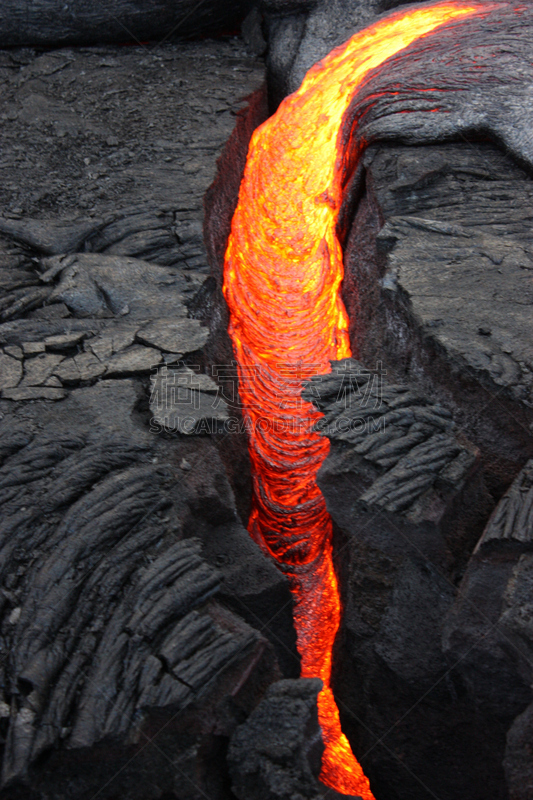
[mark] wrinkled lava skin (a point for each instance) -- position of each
(282, 273)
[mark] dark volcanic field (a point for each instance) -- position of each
(147, 650)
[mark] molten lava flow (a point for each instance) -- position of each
(283, 267)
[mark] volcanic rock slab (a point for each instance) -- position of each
(183, 402)
(78, 22)
(408, 502)
(518, 756)
(399, 456)
(109, 630)
(405, 491)
(440, 252)
(175, 337)
(276, 753)
(488, 635)
(512, 522)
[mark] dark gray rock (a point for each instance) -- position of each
(48, 238)
(410, 309)
(284, 34)
(80, 22)
(102, 285)
(252, 32)
(33, 393)
(140, 260)
(412, 502)
(275, 754)
(254, 589)
(133, 361)
(286, 6)
(112, 157)
(182, 402)
(408, 503)
(517, 609)
(109, 633)
(302, 33)
(512, 521)
(175, 337)
(492, 664)
(64, 342)
(252, 586)
(417, 298)
(106, 166)
(140, 231)
(83, 367)
(399, 449)
(38, 369)
(518, 762)
(439, 230)
(10, 371)
(138, 622)
(488, 634)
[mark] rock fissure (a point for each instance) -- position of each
(95, 508)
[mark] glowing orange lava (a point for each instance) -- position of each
(283, 268)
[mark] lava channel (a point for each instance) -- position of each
(282, 272)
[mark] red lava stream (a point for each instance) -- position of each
(282, 273)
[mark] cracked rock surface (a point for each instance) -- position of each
(275, 754)
(440, 246)
(106, 155)
(131, 642)
(436, 251)
(408, 500)
(121, 619)
(139, 626)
